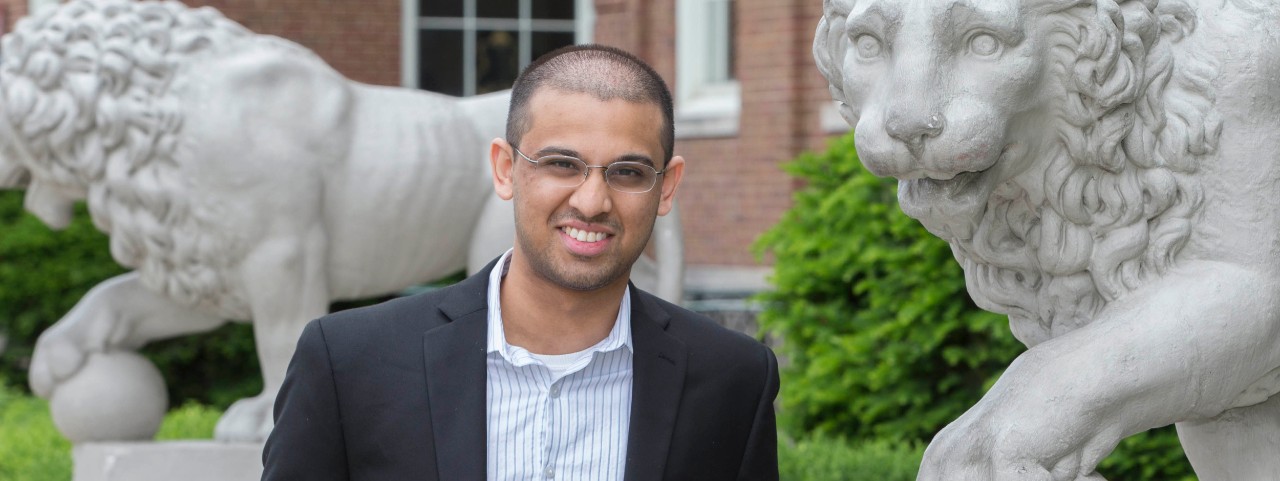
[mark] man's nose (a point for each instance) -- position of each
(594, 196)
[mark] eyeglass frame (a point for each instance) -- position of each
(586, 174)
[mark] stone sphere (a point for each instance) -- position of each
(116, 396)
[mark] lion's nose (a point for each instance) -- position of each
(915, 131)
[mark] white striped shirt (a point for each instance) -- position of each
(557, 417)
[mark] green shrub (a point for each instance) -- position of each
(30, 447)
(881, 337)
(191, 421)
(834, 459)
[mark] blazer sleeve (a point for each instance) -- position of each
(760, 461)
(307, 441)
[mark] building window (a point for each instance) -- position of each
(707, 93)
(471, 47)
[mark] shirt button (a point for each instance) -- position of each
(549, 473)
(554, 392)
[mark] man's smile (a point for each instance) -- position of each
(585, 243)
(582, 235)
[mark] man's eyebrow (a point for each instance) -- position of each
(643, 159)
(553, 150)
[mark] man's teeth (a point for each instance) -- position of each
(584, 236)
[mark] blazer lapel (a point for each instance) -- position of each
(658, 370)
(456, 373)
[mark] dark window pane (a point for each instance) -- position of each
(557, 9)
(440, 8)
(498, 8)
(733, 52)
(440, 61)
(497, 60)
(544, 42)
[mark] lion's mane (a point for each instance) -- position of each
(87, 89)
(1121, 190)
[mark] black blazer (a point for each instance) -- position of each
(397, 391)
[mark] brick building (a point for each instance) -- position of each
(748, 96)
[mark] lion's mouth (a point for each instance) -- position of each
(950, 208)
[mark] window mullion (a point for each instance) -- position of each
(525, 33)
(469, 48)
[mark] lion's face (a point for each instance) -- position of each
(937, 92)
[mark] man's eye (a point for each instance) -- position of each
(626, 171)
(559, 163)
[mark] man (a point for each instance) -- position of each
(547, 364)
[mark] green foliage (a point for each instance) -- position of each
(832, 459)
(30, 447)
(881, 338)
(191, 421)
(1154, 455)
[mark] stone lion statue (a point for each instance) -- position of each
(243, 179)
(1106, 172)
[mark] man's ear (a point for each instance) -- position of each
(501, 164)
(670, 182)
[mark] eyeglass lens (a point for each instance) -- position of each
(564, 171)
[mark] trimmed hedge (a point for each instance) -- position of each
(826, 459)
(882, 339)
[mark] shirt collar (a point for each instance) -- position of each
(619, 336)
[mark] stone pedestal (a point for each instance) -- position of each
(167, 461)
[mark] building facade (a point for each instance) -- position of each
(748, 96)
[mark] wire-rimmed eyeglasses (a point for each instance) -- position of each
(565, 171)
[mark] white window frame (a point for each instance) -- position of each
(704, 107)
(36, 7)
(584, 20)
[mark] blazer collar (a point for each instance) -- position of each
(456, 368)
(658, 371)
(454, 354)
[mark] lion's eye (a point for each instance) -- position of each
(984, 45)
(868, 46)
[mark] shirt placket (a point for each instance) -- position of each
(551, 395)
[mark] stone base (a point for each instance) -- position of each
(168, 461)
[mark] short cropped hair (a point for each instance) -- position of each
(605, 72)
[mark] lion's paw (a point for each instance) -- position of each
(56, 358)
(247, 420)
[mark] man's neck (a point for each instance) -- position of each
(546, 318)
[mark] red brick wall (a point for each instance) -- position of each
(734, 188)
(360, 38)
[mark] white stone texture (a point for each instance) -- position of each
(241, 178)
(1105, 171)
(116, 395)
(168, 461)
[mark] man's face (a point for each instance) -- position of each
(585, 237)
